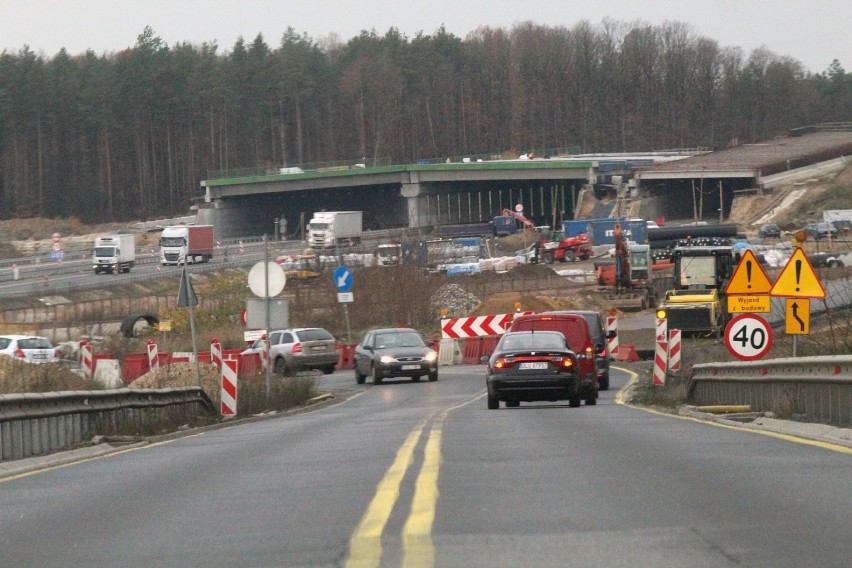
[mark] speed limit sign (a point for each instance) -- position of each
(748, 337)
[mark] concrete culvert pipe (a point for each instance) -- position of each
(128, 324)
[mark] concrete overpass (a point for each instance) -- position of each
(414, 195)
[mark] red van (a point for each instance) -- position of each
(575, 328)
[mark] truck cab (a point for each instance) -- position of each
(389, 254)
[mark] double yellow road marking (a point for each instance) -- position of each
(365, 544)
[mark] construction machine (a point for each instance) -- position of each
(566, 249)
(697, 304)
(629, 282)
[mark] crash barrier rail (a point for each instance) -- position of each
(816, 388)
(34, 424)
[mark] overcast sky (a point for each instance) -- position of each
(812, 31)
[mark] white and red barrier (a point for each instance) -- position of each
(674, 350)
(478, 326)
(153, 356)
(229, 387)
(661, 352)
(264, 353)
(87, 359)
(216, 353)
(612, 342)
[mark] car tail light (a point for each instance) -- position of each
(504, 362)
(587, 353)
(19, 353)
(297, 348)
(567, 363)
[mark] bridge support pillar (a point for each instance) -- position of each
(417, 215)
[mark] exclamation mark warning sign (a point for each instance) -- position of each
(798, 279)
(748, 278)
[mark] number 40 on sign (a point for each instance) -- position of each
(748, 337)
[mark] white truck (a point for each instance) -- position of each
(186, 244)
(114, 253)
(389, 254)
(328, 229)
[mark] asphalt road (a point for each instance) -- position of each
(422, 474)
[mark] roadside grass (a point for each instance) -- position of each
(285, 393)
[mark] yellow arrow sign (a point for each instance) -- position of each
(749, 277)
(797, 316)
(798, 279)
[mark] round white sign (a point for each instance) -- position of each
(748, 337)
(519, 208)
(270, 286)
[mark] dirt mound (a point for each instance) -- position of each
(182, 375)
(504, 303)
(20, 377)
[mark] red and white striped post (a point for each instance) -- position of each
(229, 387)
(264, 352)
(661, 353)
(216, 353)
(87, 359)
(153, 356)
(674, 350)
(612, 342)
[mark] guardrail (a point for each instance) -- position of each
(815, 388)
(35, 424)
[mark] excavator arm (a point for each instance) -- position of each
(527, 223)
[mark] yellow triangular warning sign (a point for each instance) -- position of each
(798, 279)
(749, 277)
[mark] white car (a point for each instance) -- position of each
(28, 348)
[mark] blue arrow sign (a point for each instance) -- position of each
(343, 279)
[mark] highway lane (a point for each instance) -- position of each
(423, 474)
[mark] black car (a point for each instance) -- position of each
(532, 366)
(820, 230)
(394, 352)
(769, 231)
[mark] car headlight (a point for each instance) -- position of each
(431, 356)
(387, 359)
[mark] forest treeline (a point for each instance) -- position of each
(129, 135)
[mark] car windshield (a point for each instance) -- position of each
(530, 341)
(399, 339)
(34, 343)
(314, 335)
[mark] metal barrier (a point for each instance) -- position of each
(35, 424)
(817, 388)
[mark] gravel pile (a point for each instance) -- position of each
(456, 300)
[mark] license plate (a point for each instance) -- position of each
(534, 365)
(410, 367)
(39, 356)
(319, 348)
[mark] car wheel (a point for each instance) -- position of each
(281, 366)
(547, 257)
(433, 376)
(574, 401)
(377, 376)
(415, 379)
(603, 384)
(493, 402)
(328, 369)
(359, 378)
